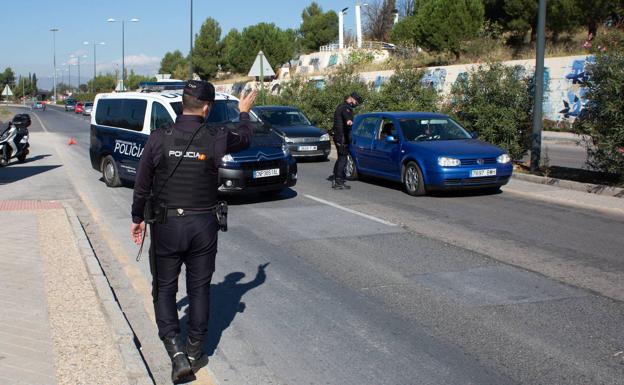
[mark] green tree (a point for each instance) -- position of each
(494, 101)
(379, 16)
(33, 88)
(318, 28)
(593, 13)
(240, 50)
(103, 83)
(207, 50)
(133, 80)
(442, 25)
(601, 120)
(7, 77)
(171, 61)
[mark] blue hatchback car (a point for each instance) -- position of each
(425, 152)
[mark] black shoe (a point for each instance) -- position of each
(340, 184)
(180, 366)
(196, 356)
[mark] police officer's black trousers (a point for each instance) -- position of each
(341, 163)
(191, 240)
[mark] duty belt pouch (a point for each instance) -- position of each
(221, 212)
(155, 212)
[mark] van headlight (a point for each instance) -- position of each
(227, 158)
(285, 149)
(444, 161)
(503, 159)
(324, 138)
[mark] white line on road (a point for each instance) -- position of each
(336, 205)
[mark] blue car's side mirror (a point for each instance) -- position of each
(474, 134)
(391, 139)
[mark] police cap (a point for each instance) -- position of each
(357, 97)
(200, 89)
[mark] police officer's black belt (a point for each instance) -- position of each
(185, 212)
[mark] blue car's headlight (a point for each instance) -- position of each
(324, 138)
(444, 161)
(503, 159)
(227, 158)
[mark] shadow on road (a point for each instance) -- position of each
(13, 174)
(225, 304)
(247, 199)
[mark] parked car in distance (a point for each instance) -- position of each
(70, 104)
(38, 105)
(78, 108)
(87, 108)
(425, 152)
(301, 136)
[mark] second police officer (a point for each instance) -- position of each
(343, 121)
(176, 186)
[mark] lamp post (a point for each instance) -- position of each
(54, 31)
(191, 50)
(358, 22)
(95, 44)
(536, 136)
(123, 47)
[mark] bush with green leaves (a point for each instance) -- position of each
(602, 120)
(494, 101)
(404, 91)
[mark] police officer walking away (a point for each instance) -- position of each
(343, 120)
(176, 190)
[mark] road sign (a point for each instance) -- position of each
(261, 66)
(7, 91)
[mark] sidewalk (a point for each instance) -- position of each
(59, 323)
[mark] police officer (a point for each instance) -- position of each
(343, 120)
(186, 192)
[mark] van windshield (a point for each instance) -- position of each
(221, 111)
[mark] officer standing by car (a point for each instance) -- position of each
(343, 121)
(176, 190)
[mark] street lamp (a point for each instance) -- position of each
(54, 31)
(95, 44)
(123, 47)
(341, 28)
(191, 50)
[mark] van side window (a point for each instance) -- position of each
(218, 112)
(121, 113)
(160, 117)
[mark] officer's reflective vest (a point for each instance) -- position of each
(194, 184)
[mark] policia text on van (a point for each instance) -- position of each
(122, 122)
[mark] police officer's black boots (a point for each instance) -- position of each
(195, 354)
(339, 184)
(181, 368)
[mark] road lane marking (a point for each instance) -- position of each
(355, 212)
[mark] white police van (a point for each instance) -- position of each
(122, 122)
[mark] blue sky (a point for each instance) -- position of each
(164, 26)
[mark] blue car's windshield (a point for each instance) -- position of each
(416, 130)
(284, 117)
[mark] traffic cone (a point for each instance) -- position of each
(71, 141)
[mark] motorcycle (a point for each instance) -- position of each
(14, 140)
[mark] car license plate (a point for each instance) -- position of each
(307, 148)
(266, 173)
(480, 173)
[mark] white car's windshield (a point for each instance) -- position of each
(416, 130)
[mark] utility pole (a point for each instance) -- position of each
(536, 137)
(54, 31)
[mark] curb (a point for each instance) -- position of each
(597, 189)
(136, 369)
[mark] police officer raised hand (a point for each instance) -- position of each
(176, 191)
(343, 121)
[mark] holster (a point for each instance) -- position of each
(221, 212)
(155, 212)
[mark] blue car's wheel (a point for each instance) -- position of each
(351, 172)
(413, 179)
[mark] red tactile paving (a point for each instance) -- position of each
(29, 205)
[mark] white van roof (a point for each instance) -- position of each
(168, 96)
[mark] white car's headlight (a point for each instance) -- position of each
(324, 138)
(285, 149)
(227, 158)
(444, 161)
(504, 159)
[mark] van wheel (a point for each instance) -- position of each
(413, 180)
(109, 172)
(351, 172)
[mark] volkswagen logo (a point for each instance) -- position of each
(480, 162)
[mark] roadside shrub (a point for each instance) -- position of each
(602, 120)
(404, 91)
(493, 100)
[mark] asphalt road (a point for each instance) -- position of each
(371, 286)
